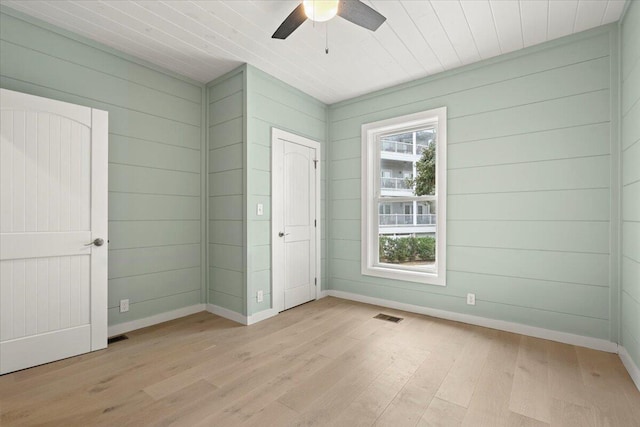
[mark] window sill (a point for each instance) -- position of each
(425, 278)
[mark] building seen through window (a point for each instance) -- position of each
(407, 227)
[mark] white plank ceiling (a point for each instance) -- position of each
(205, 39)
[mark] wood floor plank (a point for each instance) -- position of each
(174, 407)
(414, 398)
(274, 415)
(519, 420)
(369, 405)
(225, 398)
(611, 409)
(336, 399)
(565, 376)
(302, 396)
(106, 415)
(117, 356)
(441, 413)
(605, 370)
(325, 363)
(407, 407)
(265, 395)
(337, 346)
(530, 393)
(489, 405)
(565, 414)
(459, 384)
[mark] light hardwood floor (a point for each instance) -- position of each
(325, 363)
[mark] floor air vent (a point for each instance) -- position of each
(388, 318)
(116, 339)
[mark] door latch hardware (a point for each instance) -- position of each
(96, 242)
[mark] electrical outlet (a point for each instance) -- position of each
(260, 296)
(260, 209)
(124, 305)
(471, 299)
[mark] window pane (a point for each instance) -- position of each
(424, 138)
(425, 166)
(400, 143)
(395, 214)
(395, 177)
(407, 230)
(407, 233)
(427, 213)
(408, 164)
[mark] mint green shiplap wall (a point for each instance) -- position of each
(528, 186)
(630, 111)
(154, 156)
(227, 175)
(272, 103)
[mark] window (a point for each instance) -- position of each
(404, 197)
(385, 209)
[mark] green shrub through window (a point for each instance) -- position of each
(401, 250)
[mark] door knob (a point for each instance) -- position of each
(282, 234)
(96, 242)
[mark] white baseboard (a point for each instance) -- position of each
(323, 294)
(241, 318)
(227, 314)
(121, 328)
(518, 328)
(632, 368)
(263, 315)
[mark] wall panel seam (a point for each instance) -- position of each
(154, 141)
(154, 194)
(530, 133)
(158, 298)
(124, 107)
(154, 272)
(461, 91)
(99, 71)
(152, 167)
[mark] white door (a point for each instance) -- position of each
(53, 205)
(295, 219)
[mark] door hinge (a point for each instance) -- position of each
(315, 164)
(315, 222)
(315, 281)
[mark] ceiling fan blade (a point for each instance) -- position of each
(360, 14)
(289, 25)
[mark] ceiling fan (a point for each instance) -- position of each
(322, 10)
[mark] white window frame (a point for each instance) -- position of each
(371, 133)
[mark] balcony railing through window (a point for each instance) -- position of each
(402, 147)
(407, 219)
(388, 183)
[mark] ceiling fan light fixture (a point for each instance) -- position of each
(320, 10)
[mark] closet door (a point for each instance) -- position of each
(295, 203)
(53, 230)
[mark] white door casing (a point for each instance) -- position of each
(295, 216)
(53, 202)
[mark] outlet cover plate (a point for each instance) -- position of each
(471, 299)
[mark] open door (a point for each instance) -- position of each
(53, 230)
